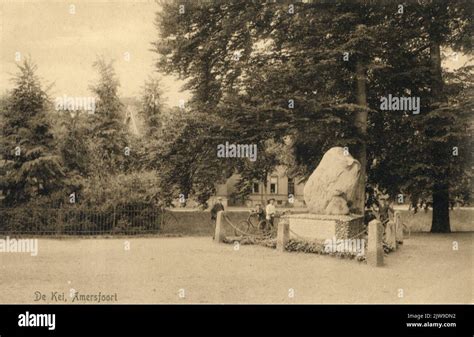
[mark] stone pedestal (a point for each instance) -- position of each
(398, 228)
(390, 235)
(283, 234)
(219, 234)
(374, 246)
(317, 227)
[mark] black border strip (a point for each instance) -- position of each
(237, 320)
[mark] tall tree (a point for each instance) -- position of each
(442, 20)
(151, 107)
(109, 139)
(185, 157)
(418, 149)
(315, 71)
(33, 168)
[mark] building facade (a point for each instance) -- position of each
(286, 191)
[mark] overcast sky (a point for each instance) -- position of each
(64, 45)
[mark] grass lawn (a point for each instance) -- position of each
(462, 220)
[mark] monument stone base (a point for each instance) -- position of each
(320, 227)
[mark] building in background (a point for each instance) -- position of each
(286, 191)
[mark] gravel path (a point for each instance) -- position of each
(196, 270)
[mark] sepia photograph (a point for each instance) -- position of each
(161, 152)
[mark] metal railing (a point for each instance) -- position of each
(72, 220)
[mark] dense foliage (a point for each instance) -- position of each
(315, 73)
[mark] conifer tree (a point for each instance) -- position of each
(109, 139)
(33, 168)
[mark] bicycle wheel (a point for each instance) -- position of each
(243, 227)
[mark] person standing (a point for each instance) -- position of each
(260, 214)
(271, 211)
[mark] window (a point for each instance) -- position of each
(291, 186)
(255, 188)
(274, 185)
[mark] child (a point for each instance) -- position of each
(260, 213)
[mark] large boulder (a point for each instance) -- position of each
(336, 184)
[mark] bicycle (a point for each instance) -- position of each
(247, 226)
(263, 226)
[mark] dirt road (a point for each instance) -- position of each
(196, 270)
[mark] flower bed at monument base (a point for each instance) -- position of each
(320, 248)
(294, 245)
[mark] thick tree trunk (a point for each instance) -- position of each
(440, 220)
(361, 125)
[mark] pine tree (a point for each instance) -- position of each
(151, 107)
(33, 169)
(109, 138)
